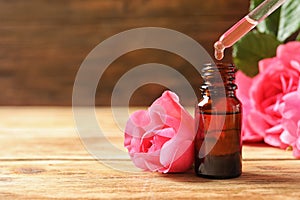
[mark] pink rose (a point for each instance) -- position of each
(162, 137)
(277, 77)
(291, 121)
(244, 84)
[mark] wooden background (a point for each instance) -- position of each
(43, 43)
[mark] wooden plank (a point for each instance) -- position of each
(66, 11)
(54, 64)
(49, 40)
(50, 133)
(64, 144)
(38, 146)
(42, 157)
(91, 179)
(72, 148)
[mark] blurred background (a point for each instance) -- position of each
(44, 42)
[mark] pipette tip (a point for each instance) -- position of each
(219, 50)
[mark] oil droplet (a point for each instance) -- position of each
(219, 50)
(219, 55)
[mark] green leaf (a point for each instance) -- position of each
(271, 23)
(298, 37)
(289, 19)
(252, 48)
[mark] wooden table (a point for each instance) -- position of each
(43, 157)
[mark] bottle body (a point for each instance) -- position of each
(218, 146)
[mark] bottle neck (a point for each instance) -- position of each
(218, 79)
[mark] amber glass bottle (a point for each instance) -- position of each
(218, 124)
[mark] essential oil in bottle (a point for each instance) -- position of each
(218, 146)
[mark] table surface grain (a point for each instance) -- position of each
(43, 157)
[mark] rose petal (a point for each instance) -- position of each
(169, 103)
(140, 118)
(132, 144)
(289, 51)
(257, 122)
(296, 152)
(295, 64)
(297, 143)
(277, 129)
(159, 116)
(296, 146)
(136, 122)
(166, 132)
(173, 151)
(160, 138)
(248, 134)
(185, 135)
(287, 138)
(268, 63)
(274, 140)
(290, 105)
(183, 163)
(244, 83)
(147, 161)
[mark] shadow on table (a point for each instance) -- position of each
(245, 178)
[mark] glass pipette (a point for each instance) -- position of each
(245, 25)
